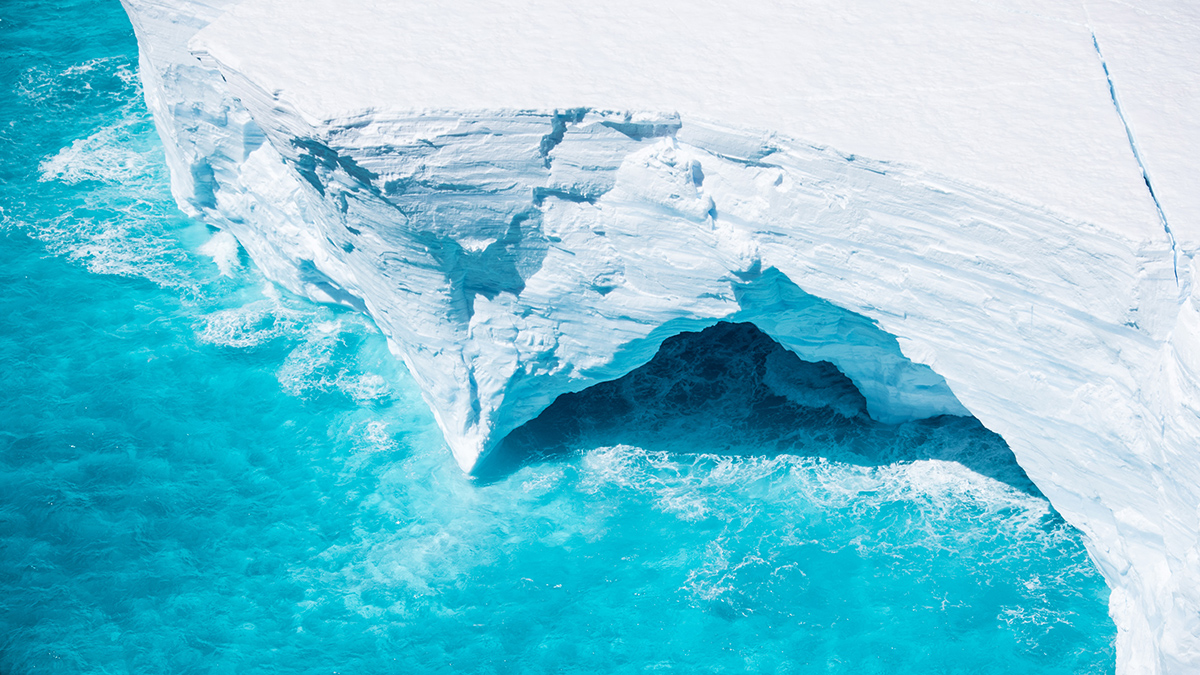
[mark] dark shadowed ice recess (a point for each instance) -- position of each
(731, 389)
(202, 474)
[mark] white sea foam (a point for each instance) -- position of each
(363, 387)
(120, 217)
(319, 364)
(945, 506)
(305, 370)
(117, 243)
(44, 86)
(115, 154)
(691, 486)
(761, 532)
(222, 247)
(251, 325)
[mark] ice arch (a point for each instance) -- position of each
(893, 389)
(730, 389)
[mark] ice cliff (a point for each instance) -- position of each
(529, 197)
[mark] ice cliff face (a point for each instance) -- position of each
(516, 251)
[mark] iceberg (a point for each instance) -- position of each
(967, 208)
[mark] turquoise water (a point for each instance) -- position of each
(203, 474)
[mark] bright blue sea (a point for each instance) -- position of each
(203, 474)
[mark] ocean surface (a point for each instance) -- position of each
(200, 473)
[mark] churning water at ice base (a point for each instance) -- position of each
(199, 473)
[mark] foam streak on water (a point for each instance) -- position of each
(202, 474)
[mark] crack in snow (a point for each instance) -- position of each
(1137, 156)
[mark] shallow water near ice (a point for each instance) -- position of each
(200, 473)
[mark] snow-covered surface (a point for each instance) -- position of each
(1150, 48)
(1007, 95)
(528, 197)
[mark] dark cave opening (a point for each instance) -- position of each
(732, 390)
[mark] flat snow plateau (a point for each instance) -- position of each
(983, 208)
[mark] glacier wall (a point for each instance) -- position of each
(513, 255)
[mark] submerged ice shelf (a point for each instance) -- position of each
(531, 216)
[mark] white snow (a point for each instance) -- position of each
(1008, 94)
(528, 197)
(1151, 51)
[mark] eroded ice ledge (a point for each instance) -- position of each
(528, 199)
